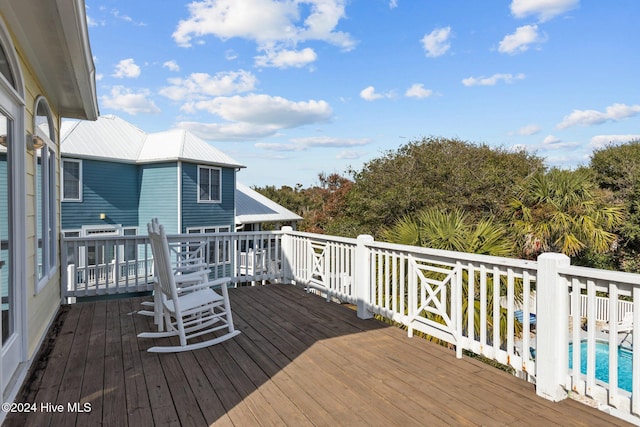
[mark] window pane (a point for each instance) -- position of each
(71, 180)
(51, 208)
(40, 221)
(5, 69)
(215, 184)
(204, 184)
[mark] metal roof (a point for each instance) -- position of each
(114, 139)
(253, 207)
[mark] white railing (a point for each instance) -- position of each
(472, 302)
(129, 267)
(622, 388)
(602, 307)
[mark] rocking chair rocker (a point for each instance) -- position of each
(188, 312)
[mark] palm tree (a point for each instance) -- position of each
(450, 230)
(563, 211)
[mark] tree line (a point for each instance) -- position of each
(451, 194)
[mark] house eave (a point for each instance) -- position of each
(54, 39)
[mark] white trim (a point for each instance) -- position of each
(219, 195)
(48, 230)
(12, 102)
(80, 181)
(179, 201)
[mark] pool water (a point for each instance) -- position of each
(602, 363)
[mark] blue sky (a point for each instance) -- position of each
(292, 88)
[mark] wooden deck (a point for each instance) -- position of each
(299, 361)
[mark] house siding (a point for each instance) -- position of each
(196, 214)
(41, 306)
(107, 187)
(158, 191)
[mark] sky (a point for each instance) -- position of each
(294, 88)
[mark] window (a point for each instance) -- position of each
(71, 180)
(45, 190)
(209, 184)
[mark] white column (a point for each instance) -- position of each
(362, 277)
(552, 312)
(287, 254)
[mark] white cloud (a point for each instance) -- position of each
(542, 9)
(171, 65)
(266, 110)
(93, 23)
(116, 13)
(257, 116)
(327, 141)
(202, 85)
(126, 68)
(613, 113)
(302, 144)
(124, 99)
(228, 131)
(528, 130)
(600, 141)
(552, 142)
(369, 94)
(493, 80)
(267, 22)
(393, 4)
(348, 155)
(286, 58)
(520, 41)
(436, 43)
(417, 90)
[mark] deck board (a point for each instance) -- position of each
(298, 361)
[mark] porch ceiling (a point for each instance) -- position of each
(54, 38)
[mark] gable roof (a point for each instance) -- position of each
(253, 207)
(114, 139)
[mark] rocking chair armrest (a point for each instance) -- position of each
(195, 276)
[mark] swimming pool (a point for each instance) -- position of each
(602, 363)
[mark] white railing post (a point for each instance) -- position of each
(287, 254)
(552, 352)
(362, 277)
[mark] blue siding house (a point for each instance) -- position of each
(116, 178)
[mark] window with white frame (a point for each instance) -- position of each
(71, 180)
(45, 189)
(209, 186)
(218, 248)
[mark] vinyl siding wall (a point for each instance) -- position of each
(196, 214)
(159, 196)
(41, 307)
(107, 187)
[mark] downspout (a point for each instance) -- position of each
(179, 169)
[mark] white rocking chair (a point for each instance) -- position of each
(189, 312)
(190, 268)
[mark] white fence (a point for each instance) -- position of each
(602, 308)
(108, 265)
(469, 301)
